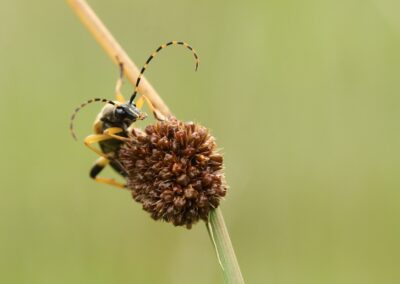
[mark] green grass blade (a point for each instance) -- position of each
(223, 246)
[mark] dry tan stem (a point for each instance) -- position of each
(115, 51)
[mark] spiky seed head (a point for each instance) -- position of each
(174, 170)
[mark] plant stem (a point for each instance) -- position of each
(116, 52)
(216, 225)
(223, 246)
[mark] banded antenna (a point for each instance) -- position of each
(71, 125)
(154, 55)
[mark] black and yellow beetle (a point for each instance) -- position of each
(112, 124)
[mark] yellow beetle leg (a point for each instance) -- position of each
(114, 130)
(118, 86)
(99, 165)
(156, 113)
(94, 138)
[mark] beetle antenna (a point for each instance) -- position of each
(154, 55)
(71, 125)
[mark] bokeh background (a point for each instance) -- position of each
(303, 97)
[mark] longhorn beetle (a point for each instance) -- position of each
(112, 124)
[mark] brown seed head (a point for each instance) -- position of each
(174, 170)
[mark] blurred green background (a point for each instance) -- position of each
(303, 97)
